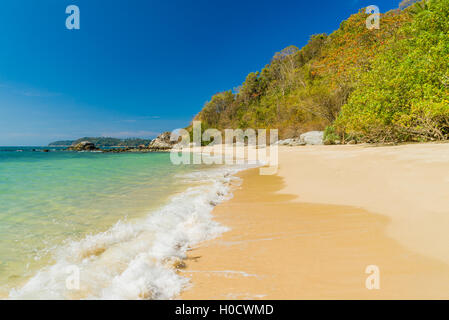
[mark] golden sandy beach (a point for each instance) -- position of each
(310, 231)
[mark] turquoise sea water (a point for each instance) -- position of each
(55, 202)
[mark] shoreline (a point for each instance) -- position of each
(310, 231)
(113, 262)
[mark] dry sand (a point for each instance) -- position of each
(310, 231)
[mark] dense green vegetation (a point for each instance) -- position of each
(104, 142)
(378, 85)
(405, 96)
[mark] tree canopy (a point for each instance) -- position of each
(387, 84)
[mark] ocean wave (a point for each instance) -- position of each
(138, 259)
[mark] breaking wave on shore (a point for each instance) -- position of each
(138, 259)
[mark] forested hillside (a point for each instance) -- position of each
(378, 85)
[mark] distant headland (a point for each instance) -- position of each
(102, 142)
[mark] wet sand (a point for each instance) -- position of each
(310, 231)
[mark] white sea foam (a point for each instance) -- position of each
(137, 260)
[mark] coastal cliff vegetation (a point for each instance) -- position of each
(369, 85)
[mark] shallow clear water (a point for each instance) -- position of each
(52, 203)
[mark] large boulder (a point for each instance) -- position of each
(312, 138)
(162, 142)
(83, 146)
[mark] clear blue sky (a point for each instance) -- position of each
(139, 67)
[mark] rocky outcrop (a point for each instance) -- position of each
(83, 146)
(162, 142)
(308, 138)
(313, 138)
(293, 142)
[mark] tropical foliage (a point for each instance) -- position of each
(386, 84)
(405, 96)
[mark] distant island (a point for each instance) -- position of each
(102, 142)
